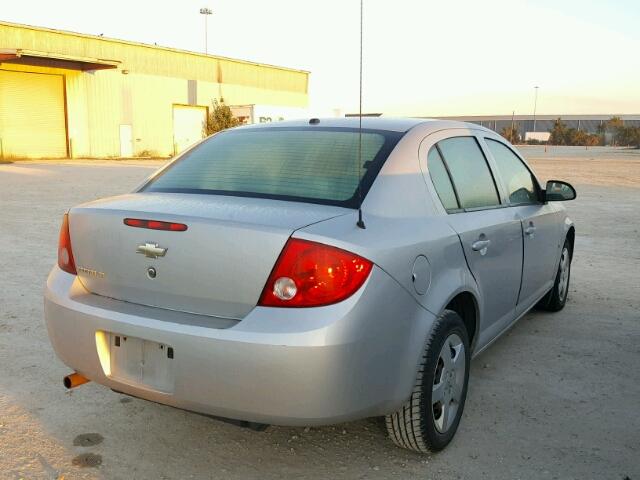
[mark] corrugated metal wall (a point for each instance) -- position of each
(144, 89)
(152, 60)
(545, 125)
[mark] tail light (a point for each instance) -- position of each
(155, 224)
(310, 274)
(65, 254)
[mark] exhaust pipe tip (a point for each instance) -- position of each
(74, 380)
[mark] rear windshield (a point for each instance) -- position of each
(312, 164)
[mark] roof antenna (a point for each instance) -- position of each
(360, 222)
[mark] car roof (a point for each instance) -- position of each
(375, 123)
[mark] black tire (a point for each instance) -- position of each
(556, 298)
(414, 425)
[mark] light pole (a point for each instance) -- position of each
(535, 105)
(206, 12)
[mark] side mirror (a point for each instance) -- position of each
(559, 191)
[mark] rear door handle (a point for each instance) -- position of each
(530, 230)
(481, 246)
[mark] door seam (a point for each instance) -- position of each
(466, 260)
(522, 263)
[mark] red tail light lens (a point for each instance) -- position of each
(65, 254)
(155, 224)
(310, 274)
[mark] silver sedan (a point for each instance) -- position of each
(312, 272)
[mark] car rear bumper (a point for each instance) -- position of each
(280, 366)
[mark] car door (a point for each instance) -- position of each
(491, 236)
(540, 225)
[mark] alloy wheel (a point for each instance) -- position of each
(448, 383)
(565, 265)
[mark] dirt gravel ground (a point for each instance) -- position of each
(604, 166)
(558, 397)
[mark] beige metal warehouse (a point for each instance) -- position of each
(65, 94)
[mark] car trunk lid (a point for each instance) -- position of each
(218, 266)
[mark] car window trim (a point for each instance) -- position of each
(453, 186)
(533, 177)
(486, 161)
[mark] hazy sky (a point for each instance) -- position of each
(424, 58)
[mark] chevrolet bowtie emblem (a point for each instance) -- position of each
(151, 250)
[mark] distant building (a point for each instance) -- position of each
(65, 94)
(539, 136)
(544, 123)
(348, 115)
(266, 113)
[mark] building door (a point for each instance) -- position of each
(32, 115)
(126, 141)
(188, 125)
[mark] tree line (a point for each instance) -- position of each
(613, 130)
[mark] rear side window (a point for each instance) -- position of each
(441, 180)
(517, 178)
(469, 171)
(313, 164)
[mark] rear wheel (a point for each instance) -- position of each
(556, 298)
(429, 419)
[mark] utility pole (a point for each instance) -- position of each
(535, 105)
(206, 12)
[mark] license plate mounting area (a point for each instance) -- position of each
(142, 363)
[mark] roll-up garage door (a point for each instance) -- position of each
(32, 116)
